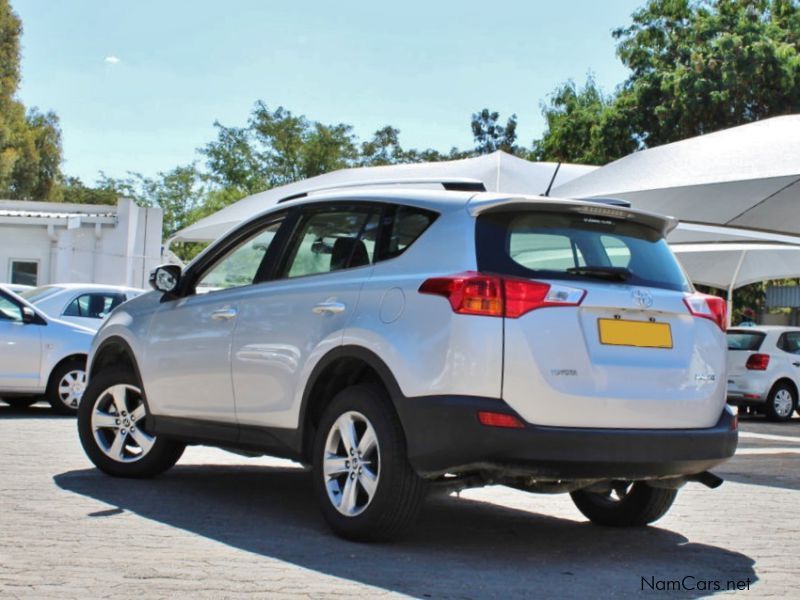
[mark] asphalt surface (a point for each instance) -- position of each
(223, 526)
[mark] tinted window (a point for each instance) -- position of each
(745, 340)
(332, 240)
(94, 306)
(241, 264)
(790, 342)
(575, 246)
(9, 311)
(405, 225)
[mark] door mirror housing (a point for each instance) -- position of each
(28, 315)
(165, 278)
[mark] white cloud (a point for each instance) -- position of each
(112, 60)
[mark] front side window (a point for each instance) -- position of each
(9, 311)
(93, 306)
(241, 264)
(566, 245)
(24, 272)
(332, 240)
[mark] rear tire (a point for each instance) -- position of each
(113, 430)
(19, 403)
(66, 386)
(781, 402)
(628, 505)
(370, 494)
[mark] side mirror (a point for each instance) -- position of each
(165, 278)
(28, 314)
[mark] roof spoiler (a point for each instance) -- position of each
(455, 184)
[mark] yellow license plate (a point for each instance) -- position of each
(642, 334)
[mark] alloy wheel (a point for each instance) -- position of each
(351, 464)
(118, 424)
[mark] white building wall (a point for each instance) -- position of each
(115, 251)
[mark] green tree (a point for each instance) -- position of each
(491, 136)
(695, 67)
(30, 144)
(583, 126)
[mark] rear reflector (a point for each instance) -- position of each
(494, 419)
(757, 362)
(704, 306)
(473, 293)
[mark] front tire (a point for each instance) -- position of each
(625, 505)
(113, 430)
(781, 402)
(364, 484)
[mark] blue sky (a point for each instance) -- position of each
(138, 85)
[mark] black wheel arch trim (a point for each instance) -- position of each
(361, 353)
(115, 339)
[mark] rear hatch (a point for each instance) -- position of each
(624, 342)
(742, 344)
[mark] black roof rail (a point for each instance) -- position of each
(455, 184)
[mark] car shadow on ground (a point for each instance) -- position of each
(458, 548)
(40, 410)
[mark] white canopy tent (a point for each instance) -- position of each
(746, 176)
(731, 265)
(497, 171)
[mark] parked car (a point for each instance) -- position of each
(764, 369)
(402, 340)
(39, 356)
(16, 287)
(83, 304)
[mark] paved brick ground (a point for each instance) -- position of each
(221, 526)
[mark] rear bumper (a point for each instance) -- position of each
(444, 436)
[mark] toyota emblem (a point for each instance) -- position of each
(642, 298)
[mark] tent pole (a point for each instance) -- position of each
(733, 285)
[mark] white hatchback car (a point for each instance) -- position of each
(84, 304)
(764, 369)
(401, 340)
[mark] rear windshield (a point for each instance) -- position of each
(745, 340)
(576, 246)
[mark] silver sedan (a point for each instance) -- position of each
(40, 355)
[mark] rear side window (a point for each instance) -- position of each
(93, 306)
(403, 226)
(332, 240)
(745, 340)
(790, 342)
(534, 244)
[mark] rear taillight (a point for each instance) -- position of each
(708, 307)
(757, 362)
(473, 293)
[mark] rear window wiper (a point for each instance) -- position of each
(613, 273)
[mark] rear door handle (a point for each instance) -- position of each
(797, 364)
(328, 307)
(224, 314)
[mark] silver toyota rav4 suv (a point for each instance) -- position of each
(401, 341)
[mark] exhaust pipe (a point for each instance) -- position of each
(708, 479)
